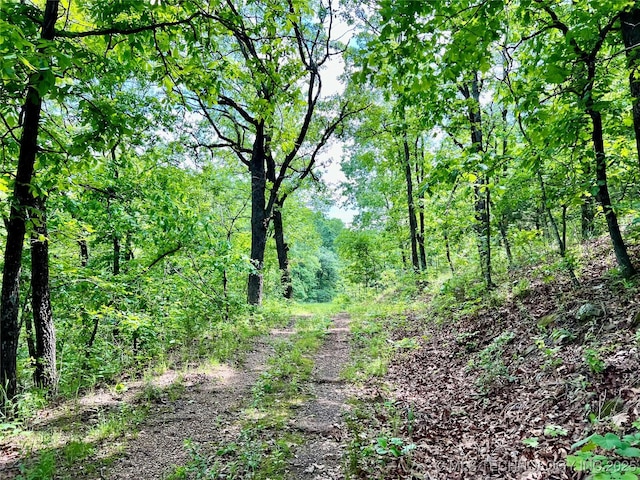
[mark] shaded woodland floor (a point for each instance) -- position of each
(505, 390)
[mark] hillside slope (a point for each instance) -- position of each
(505, 390)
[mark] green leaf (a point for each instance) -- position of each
(629, 452)
(608, 442)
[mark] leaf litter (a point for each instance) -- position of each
(505, 392)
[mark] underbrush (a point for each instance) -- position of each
(120, 354)
(46, 445)
(501, 382)
(373, 326)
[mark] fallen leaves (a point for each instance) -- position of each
(524, 425)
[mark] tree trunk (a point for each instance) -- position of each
(116, 254)
(481, 192)
(282, 248)
(225, 290)
(502, 225)
(84, 252)
(624, 262)
(448, 251)
(630, 27)
(561, 240)
(419, 161)
(31, 342)
(421, 249)
(587, 217)
(259, 219)
(413, 224)
(45, 375)
(16, 225)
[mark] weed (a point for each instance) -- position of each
(468, 340)
(43, 468)
(550, 354)
(521, 289)
(613, 462)
(372, 348)
(560, 335)
(490, 364)
(594, 361)
(393, 446)
(379, 433)
(554, 431)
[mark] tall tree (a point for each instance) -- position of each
(582, 55)
(22, 202)
(630, 28)
(264, 103)
(48, 51)
(45, 374)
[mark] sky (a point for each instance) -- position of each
(331, 85)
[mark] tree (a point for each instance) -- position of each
(580, 54)
(45, 57)
(22, 202)
(263, 104)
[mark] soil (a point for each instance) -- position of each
(210, 408)
(320, 420)
(517, 413)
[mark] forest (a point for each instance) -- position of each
(222, 216)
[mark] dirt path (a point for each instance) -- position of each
(208, 408)
(319, 420)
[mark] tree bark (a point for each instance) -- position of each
(282, 248)
(587, 217)
(630, 28)
(481, 192)
(421, 232)
(413, 224)
(624, 262)
(84, 252)
(259, 218)
(502, 225)
(16, 225)
(421, 248)
(448, 252)
(45, 375)
(116, 254)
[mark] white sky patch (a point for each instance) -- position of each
(332, 85)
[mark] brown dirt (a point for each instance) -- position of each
(209, 408)
(211, 399)
(319, 420)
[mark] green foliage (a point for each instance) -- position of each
(615, 460)
(489, 362)
(377, 438)
(394, 446)
(372, 348)
(550, 354)
(593, 359)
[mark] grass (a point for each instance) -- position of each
(71, 449)
(71, 445)
(372, 348)
(265, 441)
